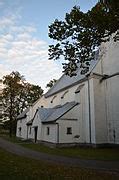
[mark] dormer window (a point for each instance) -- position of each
(53, 99)
(64, 94)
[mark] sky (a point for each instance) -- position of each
(24, 37)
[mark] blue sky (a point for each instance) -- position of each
(24, 36)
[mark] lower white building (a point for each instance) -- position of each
(83, 109)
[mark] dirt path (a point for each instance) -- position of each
(76, 162)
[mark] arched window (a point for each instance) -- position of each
(53, 99)
(64, 94)
(79, 88)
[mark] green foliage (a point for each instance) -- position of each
(13, 85)
(17, 96)
(80, 35)
(28, 95)
(51, 83)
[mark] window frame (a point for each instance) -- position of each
(48, 130)
(69, 130)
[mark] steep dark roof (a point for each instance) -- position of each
(48, 115)
(66, 81)
(52, 114)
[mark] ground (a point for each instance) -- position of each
(25, 166)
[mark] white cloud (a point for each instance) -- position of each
(22, 29)
(42, 72)
(7, 21)
(3, 71)
(21, 51)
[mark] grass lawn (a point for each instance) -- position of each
(14, 167)
(81, 152)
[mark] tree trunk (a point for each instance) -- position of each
(10, 128)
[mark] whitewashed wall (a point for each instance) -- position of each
(107, 94)
(52, 137)
(22, 124)
(109, 55)
(99, 119)
(68, 97)
(37, 122)
(68, 138)
(84, 113)
(112, 97)
(70, 119)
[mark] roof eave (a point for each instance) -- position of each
(23, 117)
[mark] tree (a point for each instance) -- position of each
(11, 91)
(17, 96)
(51, 83)
(34, 92)
(80, 35)
(1, 116)
(112, 6)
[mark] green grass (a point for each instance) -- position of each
(13, 139)
(81, 152)
(14, 167)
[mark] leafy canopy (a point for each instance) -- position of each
(51, 83)
(17, 96)
(80, 34)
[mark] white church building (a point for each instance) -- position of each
(83, 109)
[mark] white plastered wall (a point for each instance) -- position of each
(112, 97)
(37, 123)
(99, 119)
(52, 136)
(109, 88)
(22, 124)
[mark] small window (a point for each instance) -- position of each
(48, 130)
(19, 131)
(69, 130)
